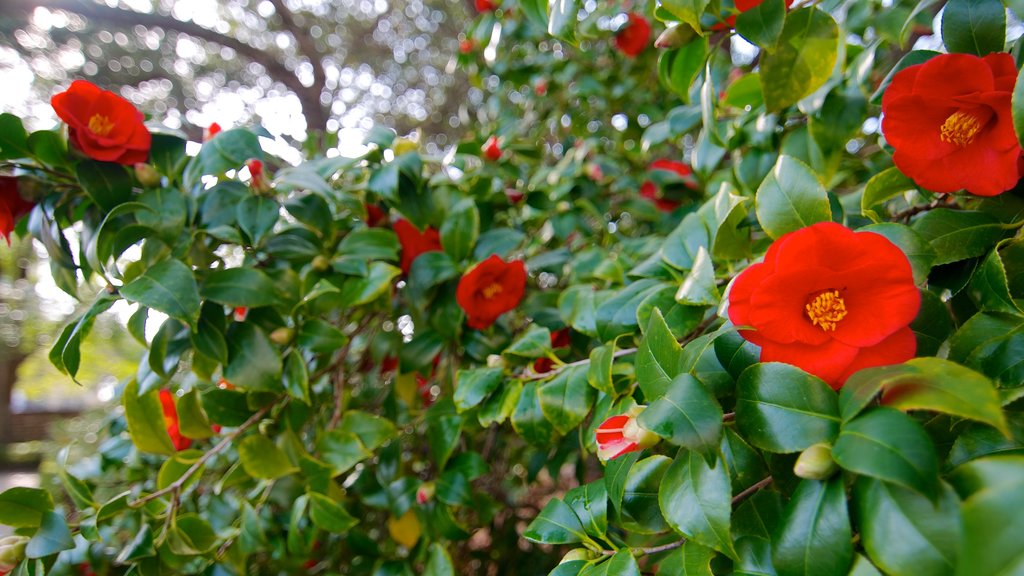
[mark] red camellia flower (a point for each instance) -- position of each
(622, 434)
(742, 6)
(559, 339)
(103, 125)
(12, 206)
(634, 36)
(211, 131)
(375, 216)
(415, 242)
(949, 122)
(649, 189)
(171, 421)
(485, 5)
(490, 289)
(466, 46)
(830, 301)
(492, 151)
(240, 313)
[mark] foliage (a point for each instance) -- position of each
(367, 429)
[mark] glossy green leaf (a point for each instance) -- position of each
(1016, 108)
(253, 361)
(107, 184)
(443, 431)
(622, 563)
(699, 287)
(320, 337)
(373, 431)
(881, 187)
(687, 415)
(762, 24)
(168, 287)
(974, 26)
(958, 234)
(473, 386)
(192, 419)
(696, 499)
(815, 536)
(989, 286)
(23, 507)
(329, 515)
(562, 18)
(615, 478)
(65, 354)
(640, 511)
(690, 559)
(617, 315)
(802, 60)
(657, 358)
(565, 400)
(556, 524)
(176, 466)
(599, 370)
(780, 408)
(359, 291)
(590, 503)
(993, 494)
(240, 287)
(228, 150)
(53, 536)
(534, 343)
(296, 377)
(262, 459)
(145, 418)
(191, 534)
(886, 444)
(342, 450)
(790, 198)
(682, 244)
(460, 230)
(439, 563)
(13, 137)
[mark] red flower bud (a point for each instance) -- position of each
(425, 493)
(258, 182)
(225, 385)
(634, 35)
(466, 46)
(240, 313)
(12, 206)
(490, 289)
(650, 191)
(491, 149)
(211, 131)
(830, 301)
(514, 196)
(485, 5)
(541, 88)
(415, 242)
(622, 434)
(171, 421)
(103, 125)
(375, 216)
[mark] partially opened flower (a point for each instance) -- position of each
(490, 289)
(12, 206)
(622, 434)
(171, 421)
(240, 313)
(212, 130)
(950, 124)
(415, 242)
(259, 180)
(491, 149)
(830, 301)
(634, 35)
(103, 125)
(651, 191)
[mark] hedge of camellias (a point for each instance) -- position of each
(671, 308)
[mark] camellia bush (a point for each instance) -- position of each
(710, 288)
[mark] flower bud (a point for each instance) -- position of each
(675, 36)
(541, 88)
(321, 263)
(514, 196)
(491, 149)
(816, 463)
(12, 551)
(578, 554)
(404, 145)
(147, 175)
(563, 207)
(240, 313)
(622, 434)
(495, 361)
(425, 493)
(466, 46)
(259, 182)
(211, 131)
(594, 172)
(282, 335)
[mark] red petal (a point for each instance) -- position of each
(895, 349)
(828, 361)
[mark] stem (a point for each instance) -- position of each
(339, 376)
(176, 486)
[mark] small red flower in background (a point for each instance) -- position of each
(12, 206)
(742, 6)
(634, 35)
(211, 131)
(491, 149)
(240, 313)
(259, 180)
(490, 289)
(830, 301)
(621, 434)
(649, 189)
(415, 242)
(485, 5)
(466, 46)
(949, 122)
(541, 88)
(559, 339)
(375, 216)
(223, 384)
(103, 125)
(514, 196)
(171, 421)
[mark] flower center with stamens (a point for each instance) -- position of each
(492, 290)
(826, 310)
(100, 125)
(960, 129)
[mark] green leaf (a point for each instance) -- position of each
(993, 492)
(13, 138)
(359, 291)
(699, 288)
(562, 18)
(22, 507)
(257, 216)
(145, 416)
(52, 537)
(107, 184)
(226, 407)
(253, 362)
(318, 336)
(599, 371)
(815, 536)
(167, 154)
(657, 359)
(228, 150)
(590, 503)
(528, 418)
(439, 563)
(262, 459)
(296, 377)
(781, 408)
(617, 315)
(904, 533)
(974, 26)
(958, 234)
(640, 511)
(678, 68)
(443, 431)
(925, 384)
(687, 11)
(328, 515)
(166, 214)
(919, 252)
(762, 24)
(140, 547)
(556, 524)
(191, 535)
(534, 343)
(696, 499)
(473, 386)
(790, 198)
(565, 400)
(615, 478)
(886, 444)
(168, 287)
(460, 230)
(370, 244)
(622, 563)
(682, 244)
(176, 466)
(342, 450)
(687, 415)
(240, 287)
(990, 288)
(882, 186)
(802, 59)
(192, 420)
(49, 147)
(372, 431)
(690, 559)
(66, 352)
(78, 490)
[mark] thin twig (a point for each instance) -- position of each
(339, 375)
(224, 443)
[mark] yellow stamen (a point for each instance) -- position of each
(100, 125)
(826, 310)
(493, 290)
(960, 129)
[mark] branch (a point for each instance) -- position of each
(308, 48)
(91, 10)
(175, 487)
